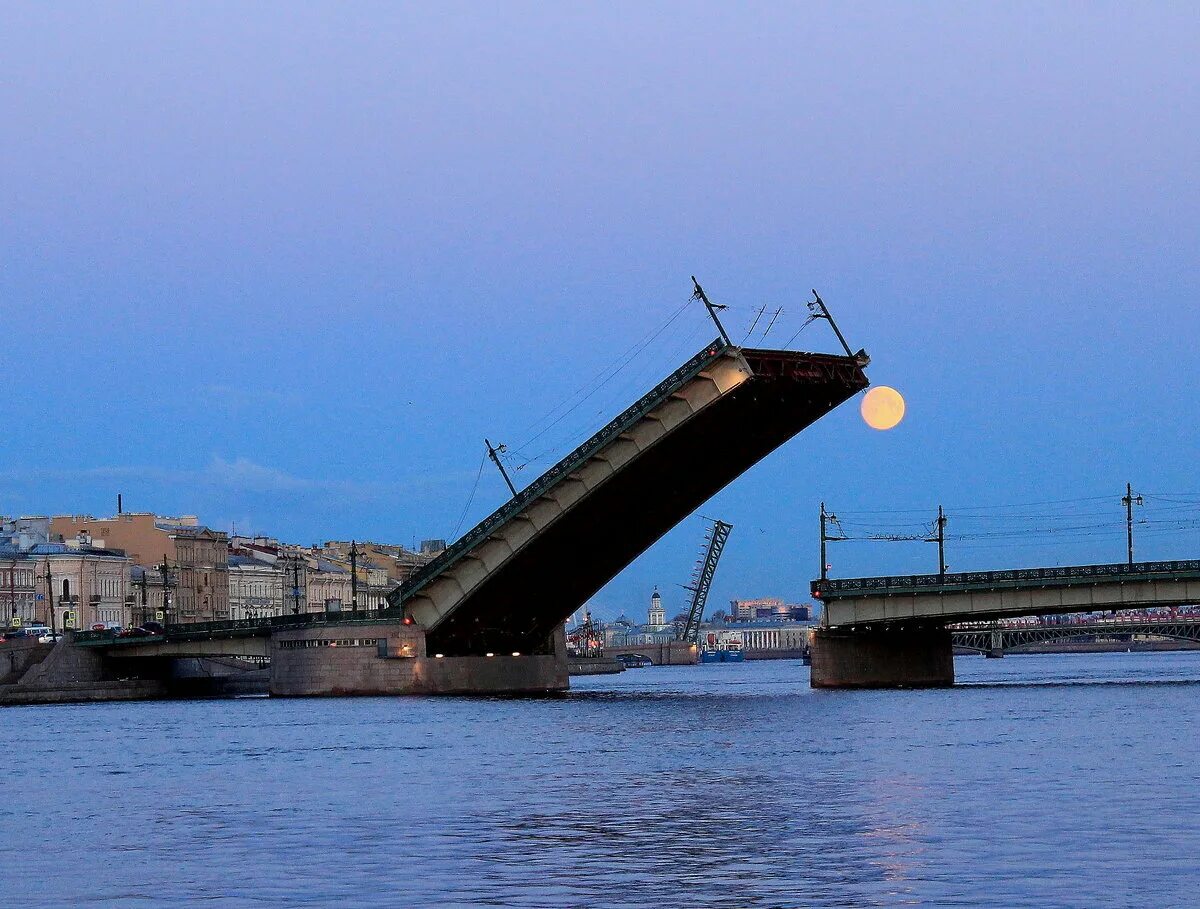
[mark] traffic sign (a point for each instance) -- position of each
(158, 614)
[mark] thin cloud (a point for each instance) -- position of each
(239, 474)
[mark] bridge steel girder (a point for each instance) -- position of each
(965, 605)
(510, 582)
(1014, 638)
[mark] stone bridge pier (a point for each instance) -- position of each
(888, 656)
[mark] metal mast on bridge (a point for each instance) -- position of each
(494, 453)
(712, 308)
(715, 539)
(826, 520)
(1129, 500)
(939, 537)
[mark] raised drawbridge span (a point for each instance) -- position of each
(485, 615)
(508, 583)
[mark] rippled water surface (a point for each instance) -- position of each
(1039, 781)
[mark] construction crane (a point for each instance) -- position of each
(706, 567)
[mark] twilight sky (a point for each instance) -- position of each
(285, 266)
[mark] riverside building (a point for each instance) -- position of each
(197, 557)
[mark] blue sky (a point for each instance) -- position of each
(285, 267)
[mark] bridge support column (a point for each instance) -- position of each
(997, 650)
(890, 657)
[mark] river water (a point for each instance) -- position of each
(1038, 781)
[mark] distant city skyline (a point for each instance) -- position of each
(292, 285)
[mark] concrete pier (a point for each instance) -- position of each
(390, 659)
(890, 657)
(330, 659)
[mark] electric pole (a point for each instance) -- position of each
(12, 591)
(166, 579)
(354, 575)
(50, 597)
(1129, 500)
(295, 559)
(820, 311)
(712, 308)
(941, 541)
(494, 454)
(826, 520)
(144, 596)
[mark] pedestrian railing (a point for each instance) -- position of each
(1020, 577)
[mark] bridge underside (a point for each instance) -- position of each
(740, 407)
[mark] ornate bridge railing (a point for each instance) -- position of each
(992, 635)
(993, 580)
(191, 631)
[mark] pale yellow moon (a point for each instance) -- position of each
(882, 407)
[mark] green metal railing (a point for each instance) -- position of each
(190, 631)
(1067, 576)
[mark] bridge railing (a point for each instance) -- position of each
(1006, 578)
(178, 631)
(568, 465)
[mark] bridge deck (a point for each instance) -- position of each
(994, 594)
(507, 583)
(229, 629)
(1007, 579)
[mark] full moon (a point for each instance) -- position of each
(882, 407)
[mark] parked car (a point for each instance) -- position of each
(153, 627)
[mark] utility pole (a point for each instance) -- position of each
(166, 579)
(50, 598)
(826, 520)
(1129, 500)
(144, 597)
(354, 575)
(295, 584)
(941, 541)
(819, 304)
(494, 454)
(12, 591)
(712, 308)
